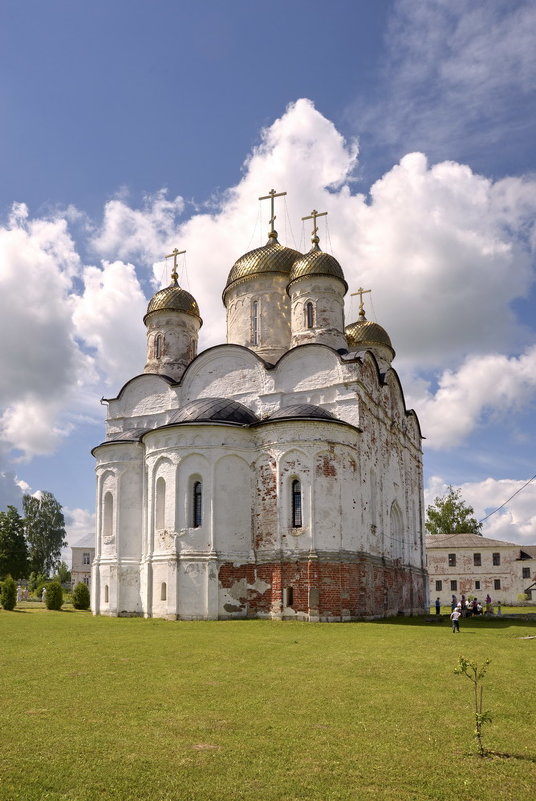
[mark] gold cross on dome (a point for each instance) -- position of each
(313, 216)
(174, 254)
(361, 292)
(270, 196)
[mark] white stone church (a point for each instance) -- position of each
(278, 475)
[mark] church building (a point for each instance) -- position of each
(278, 475)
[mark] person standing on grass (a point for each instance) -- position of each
(437, 606)
(453, 603)
(455, 617)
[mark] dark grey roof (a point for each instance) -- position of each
(215, 410)
(465, 541)
(307, 410)
(131, 434)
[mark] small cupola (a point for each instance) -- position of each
(316, 289)
(367, 335)
(173, 322)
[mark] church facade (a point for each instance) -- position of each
(278, 475)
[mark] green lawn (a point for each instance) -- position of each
(151, 710)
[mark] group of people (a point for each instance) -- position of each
(466, 608)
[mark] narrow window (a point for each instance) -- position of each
(477, 560)
(296, 504)
(197, 502)
(477, 585)
(453, 585)
(108, 515)
(496, 559)
(289, 596)
(158, 346)
(86, 581)
(439, 586)
(163, 591)
(85, 559)
(105, 593)
(160, 503)
(309, 315)
(526, 572)
(452, 560)
(255, 322)
(497, 584)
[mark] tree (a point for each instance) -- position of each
(45, 531)
(451, 515)
(63, 574)
(81, 598)
(54, 596)
(13, 548)
(8, 594)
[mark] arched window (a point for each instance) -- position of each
(108, 515)
(296, 504)
(163, 591)
(309, 315)
(160, 503)
(255, 322)
(197, 504)
(158, 346)
(106, 599)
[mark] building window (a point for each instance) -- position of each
(158, 346)
(288, 599)
(86, 581)
(86, 558)
(163, 591)
(160, 503)
(526, 572)
(477, 560)
(438, 586)
(496, 559)
(296, 504)
(108, 515)
(255, 322)
(477, 585)
(453, 586)
(197, 504)
(452, 560)
(309, 315)
(496, 584)
(106, 600)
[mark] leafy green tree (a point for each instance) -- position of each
(45, 531)
(63, 574)
(13, 548)
(451, 515)
(8, 594)
(81, 596)
(54, 596)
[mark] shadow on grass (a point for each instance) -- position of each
(489, 754)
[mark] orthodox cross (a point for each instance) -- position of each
(270, 196)
(174, 254)
(313, 215)
(361, 292)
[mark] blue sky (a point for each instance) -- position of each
(130, 127)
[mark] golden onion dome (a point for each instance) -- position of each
(364, 333)
(316, 262)
(173, 298)
(271, 258)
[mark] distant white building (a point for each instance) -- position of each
(81, 559)
(467, 564)
(277, 475)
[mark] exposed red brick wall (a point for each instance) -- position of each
(361, 588)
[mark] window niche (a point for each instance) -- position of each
(197, 504)
(309, 315)
(255, 327)
(160, 503)
(296, 504)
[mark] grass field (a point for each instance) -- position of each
(95, 709)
